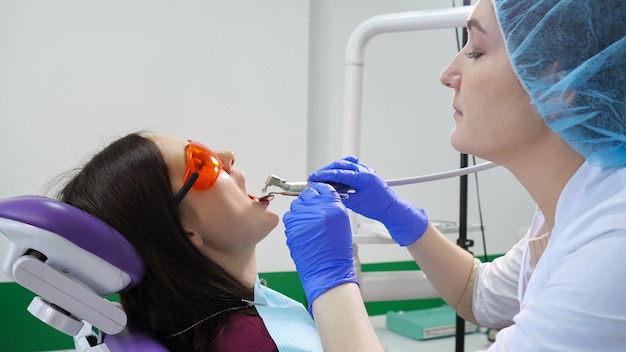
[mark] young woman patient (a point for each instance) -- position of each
(186, 211)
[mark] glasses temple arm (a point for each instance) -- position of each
(186, 187)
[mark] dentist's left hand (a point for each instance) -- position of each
(320, 240)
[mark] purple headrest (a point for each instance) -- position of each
(78, 227)
(132, 340)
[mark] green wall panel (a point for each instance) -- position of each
(22, 332)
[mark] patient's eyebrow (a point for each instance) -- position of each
(473, 23)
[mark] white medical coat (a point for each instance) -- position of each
(575, 297)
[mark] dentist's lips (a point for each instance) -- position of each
(457, 112)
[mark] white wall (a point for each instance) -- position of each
(76, 74)
(264, 79)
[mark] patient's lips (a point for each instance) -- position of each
(267, 197)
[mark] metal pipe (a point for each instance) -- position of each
(389, 23)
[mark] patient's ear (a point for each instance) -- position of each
(191, 229)
(195, 239)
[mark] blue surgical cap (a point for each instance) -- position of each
(570, 55)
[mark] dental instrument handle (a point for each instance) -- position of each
(300, 186)
(294, 186)
(273, 180)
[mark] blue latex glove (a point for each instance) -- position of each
(375, 200)
(320, 240)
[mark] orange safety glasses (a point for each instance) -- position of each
(203, 168)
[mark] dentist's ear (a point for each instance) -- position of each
(569, 96)
(556, 72)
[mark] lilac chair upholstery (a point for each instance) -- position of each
(72, 260)
(132, 340)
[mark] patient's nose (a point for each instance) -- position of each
(228, 159)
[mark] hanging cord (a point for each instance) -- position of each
(480, 214)
(248, 303)
(480, 211)
(462, 241)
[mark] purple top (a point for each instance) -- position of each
(78, 227)
(245, 333)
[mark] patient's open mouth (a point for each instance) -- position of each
(266, 197)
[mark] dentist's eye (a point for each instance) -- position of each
(474, 54)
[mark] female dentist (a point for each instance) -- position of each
(540, 88)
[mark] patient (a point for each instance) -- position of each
(186, 211)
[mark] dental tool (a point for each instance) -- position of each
(270, 195)
(273, 180)
(294, 188)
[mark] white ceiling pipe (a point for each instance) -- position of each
(389, 23)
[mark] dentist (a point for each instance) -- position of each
(540, 88)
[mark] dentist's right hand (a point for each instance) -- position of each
(375, 200)
(320, 240)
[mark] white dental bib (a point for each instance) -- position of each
(287, 321)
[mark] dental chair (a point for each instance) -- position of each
(72, 261)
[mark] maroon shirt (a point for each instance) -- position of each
(245, 333)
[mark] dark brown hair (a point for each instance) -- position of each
(127, 186)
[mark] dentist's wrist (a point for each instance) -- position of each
(408, 224)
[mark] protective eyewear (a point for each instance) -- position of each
(203, 168)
